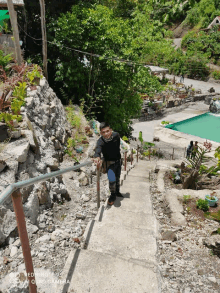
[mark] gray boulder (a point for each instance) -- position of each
(214, 106)
(31, 208)
(8, 223)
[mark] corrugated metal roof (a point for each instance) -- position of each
(15, 2)
(157, 69)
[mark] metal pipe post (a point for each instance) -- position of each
(19, 212)
(149, 154)
(98, 186)
(173, 153)
(137, 152)
(131, 156)
(125, 161)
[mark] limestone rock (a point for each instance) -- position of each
(31, 208)
(82, 176)
(25, 191)
(80, 216)
(18, 150)
(169, 235)
(85, 198)
(213, 242)
(14, 251)
(30, 136)
(43, 194)
(15, 133)
(57, 145)
(2, 165)
(59, 234)
(45, 238)
(211, 90)
(32, 229)
(17, 243)
(8, 223)
(29, 102)
(52, 163)
(214, 106)
(84, 181)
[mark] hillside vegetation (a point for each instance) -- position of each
(97, 50)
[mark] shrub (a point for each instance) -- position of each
(5, 60)
(202, 169)
(202, 205)
(165, 122)
(74, 119)
(186, 199)
(125, 138)
(147, 145)
(216, 74)
(140, 137)
(193, 16)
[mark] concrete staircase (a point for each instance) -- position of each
(120, 254)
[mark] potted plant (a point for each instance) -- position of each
(79, 149)
(211, 199)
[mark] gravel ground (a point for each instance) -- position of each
(186, 263)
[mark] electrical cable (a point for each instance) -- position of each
(198, 68)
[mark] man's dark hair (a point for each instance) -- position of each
(103, 125)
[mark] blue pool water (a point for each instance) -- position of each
(205, 125)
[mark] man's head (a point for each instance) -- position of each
(105, 130)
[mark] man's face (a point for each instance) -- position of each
(106, 132)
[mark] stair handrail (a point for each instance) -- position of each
(5, 194)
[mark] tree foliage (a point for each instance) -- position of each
(107, 87)
(203, 13)
(207, 44)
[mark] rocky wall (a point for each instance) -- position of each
(36, 147)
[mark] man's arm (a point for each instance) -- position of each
(98, 149)
(97, 156)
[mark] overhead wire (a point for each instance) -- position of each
(199, 68)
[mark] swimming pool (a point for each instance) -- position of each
(206, 125)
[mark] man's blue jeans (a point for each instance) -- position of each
(114, 173)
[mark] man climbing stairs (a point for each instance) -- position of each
(120, 254)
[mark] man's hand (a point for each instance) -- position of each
(97, 161)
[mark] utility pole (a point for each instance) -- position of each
(14, 24)
(44, 37)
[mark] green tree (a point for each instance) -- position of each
(107, 88)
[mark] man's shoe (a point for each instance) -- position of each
(110, 203)
(111, 199)
(119, 194)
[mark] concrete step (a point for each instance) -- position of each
(130, 219)
(95, 272)
(136, 198)
(123, 241)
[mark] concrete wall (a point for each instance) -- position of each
(7, 38)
